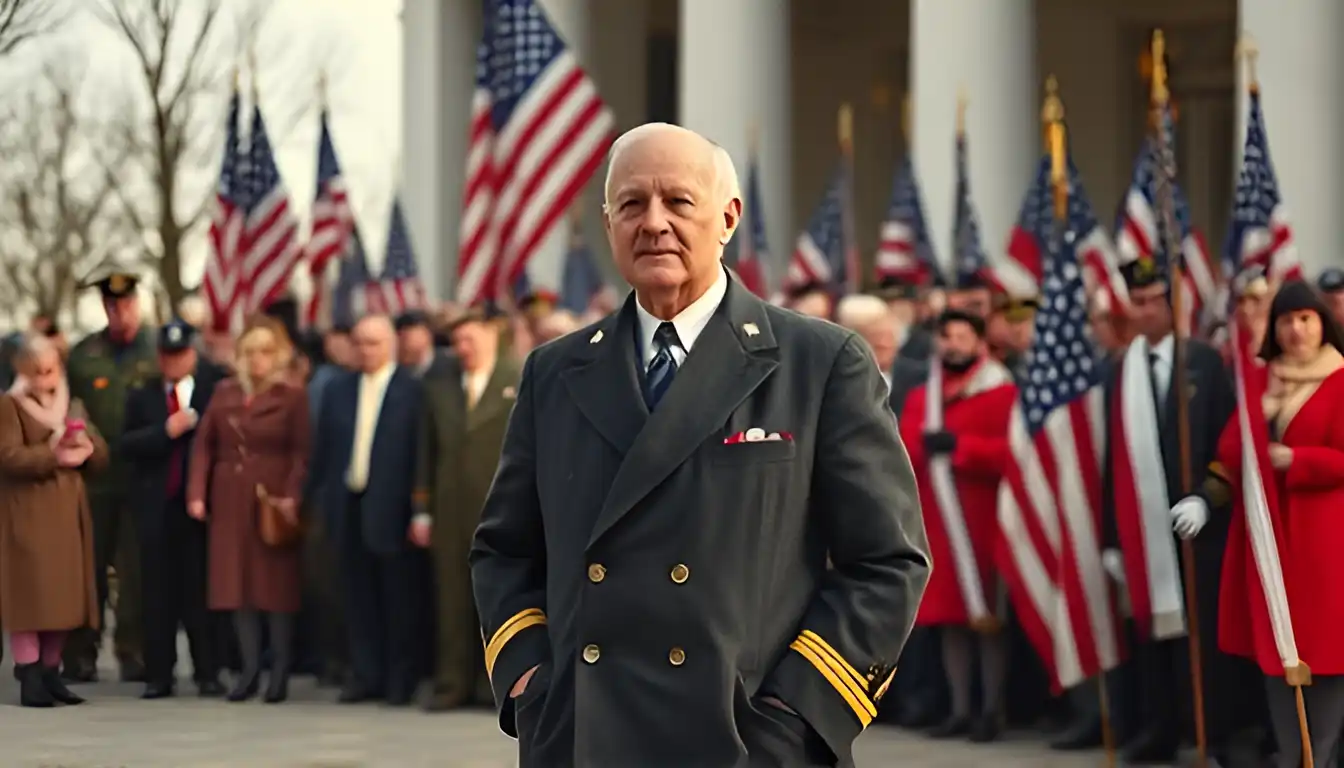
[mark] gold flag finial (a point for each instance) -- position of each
(962, 101)
(235, 78)
(252, 66)
(1052, 114)
(846, 127)
(1248, 51)
(1160, 93)
(322, 89)
(907, 118)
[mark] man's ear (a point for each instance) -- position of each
(732, 216)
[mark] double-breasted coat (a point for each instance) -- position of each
(46, 533)
(667, 576)
(458, 452)
(243, 442)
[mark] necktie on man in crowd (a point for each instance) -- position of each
(1050, 503)
(174, 484)
(223, 265)
(270, 236)
(663, 369)
(399, 288)
(539, 130)
(333, 221)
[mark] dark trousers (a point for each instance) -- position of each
(383, 606)
(173, 563)
(322, 618)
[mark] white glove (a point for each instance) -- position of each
(1189, 516)
(1114, 565)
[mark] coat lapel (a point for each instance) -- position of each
(604, 383)
(492, 402)
(730, 359)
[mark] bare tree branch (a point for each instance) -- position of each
(23, 20)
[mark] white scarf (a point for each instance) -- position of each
(52, 416)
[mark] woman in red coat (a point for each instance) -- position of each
(1302, 379)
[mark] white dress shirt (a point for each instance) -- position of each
(185, 388)
(473, 384)
(1159, 359)
(690, 322)
(372, 388)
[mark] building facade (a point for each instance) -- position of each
(779, 70)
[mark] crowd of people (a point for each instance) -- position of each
(310, 502)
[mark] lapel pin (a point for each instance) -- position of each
(596, 337)
(750, 329)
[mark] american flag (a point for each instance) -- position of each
(753, 251)
(270, 237)
(539, 130)
(819, 256)
(354, 285)
(1139, 229)
(1026, 252)
(905, 252)
(1260, 233)
(333, 221)
(580, 279)
(401, 287)
(968, 252)
(1050, 501)
(223, 277)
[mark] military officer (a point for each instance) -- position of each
(102, 368)
(467, 407)
(702, 546)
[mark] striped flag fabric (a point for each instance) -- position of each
(223, 273)
(333, 221)
(401, 288)
(539, 130)
(1138, 230)
(904, 251)
(1050, 501)
(354, 285)
(752, 261)
(1261, 232)
(271, 247)
(820, 255)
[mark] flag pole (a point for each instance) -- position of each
(845, 129)
(1161, 98)
(1052, 116)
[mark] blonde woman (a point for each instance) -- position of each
(254, 434)
(46, 543)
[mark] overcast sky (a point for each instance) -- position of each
(358, 41)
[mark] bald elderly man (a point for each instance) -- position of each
(651, 565)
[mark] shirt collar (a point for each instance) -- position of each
(1164, 349)
(691, 321)
(382, 374)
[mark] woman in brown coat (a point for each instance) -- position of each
(254, 435)
(46, 534)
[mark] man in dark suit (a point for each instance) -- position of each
(651, 568)
(362, 475)
(161, 417)
(415, 346)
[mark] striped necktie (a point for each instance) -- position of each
(663, 369)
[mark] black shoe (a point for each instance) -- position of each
(1085, 733)
(32, 688)
(355, 692)
(1152, 746)
(277, 688)
(51, 678)
(986, 728)
(133, 671)
(209, 689)
(80, 672)
(245, 689)
(951, 728)
(159, 690)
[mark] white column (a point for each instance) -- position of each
(439, 40)
(988, 49)
(734, 74)
(1301, 72)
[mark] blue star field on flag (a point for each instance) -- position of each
(968, 252)
(1257, 187)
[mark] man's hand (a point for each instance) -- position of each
(1189, 516)
(420, 531)
(196, 510)
(181, 423)
(521, 685)
(1280, 456)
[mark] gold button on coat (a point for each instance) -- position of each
(596, 573)
(591, 653)
(680, 574)
(676, 657)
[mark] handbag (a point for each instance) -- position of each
(276, 529)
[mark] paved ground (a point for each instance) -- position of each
(116, 730)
